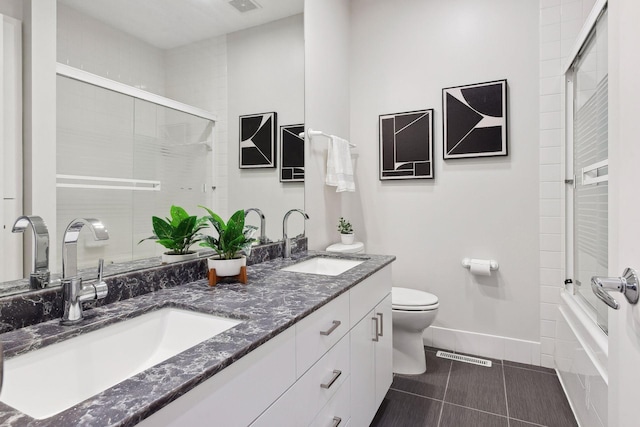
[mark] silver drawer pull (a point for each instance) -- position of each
(336, 323)
(336, 374)
(375, 319)
(336, 421)
(380, 315)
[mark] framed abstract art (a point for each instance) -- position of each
(258, 133)
(291, 153)
(406, 145)
(475, 120)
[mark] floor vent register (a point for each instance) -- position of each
(465, 359)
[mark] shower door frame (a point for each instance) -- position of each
(582, 41)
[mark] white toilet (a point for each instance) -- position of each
(354, 248)
(413, 312)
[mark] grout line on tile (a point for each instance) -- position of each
(477, 410)
(506, 398)
(444, 396)
(414, 394)
(528, 422)
(455, 404)
(532, 370)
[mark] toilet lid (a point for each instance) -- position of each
(354, 248)
(412, 299)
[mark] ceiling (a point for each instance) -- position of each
(171, 23)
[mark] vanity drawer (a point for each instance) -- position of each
(322, 381)
(368, 294)
(338, 411)
(302, 402)
(320, 331)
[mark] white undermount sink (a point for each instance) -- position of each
(324, 266)
(47, 381)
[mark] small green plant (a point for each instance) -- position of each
(344, 226)
(177, 233)
(233, 236)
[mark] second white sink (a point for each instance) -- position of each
(47, 381)
(324, 266)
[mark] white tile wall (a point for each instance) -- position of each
(88, 44)
(560, 22)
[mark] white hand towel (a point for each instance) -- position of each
(339, 167)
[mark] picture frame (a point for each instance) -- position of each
(258, 134)
(474, 120)
(291, 153)
(406, 145)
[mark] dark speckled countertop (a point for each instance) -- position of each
(272, 301)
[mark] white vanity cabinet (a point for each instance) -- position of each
(371, 350)
(332, 369)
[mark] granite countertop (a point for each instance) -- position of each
(272, 301)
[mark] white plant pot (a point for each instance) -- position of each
(226, 267)
(168, 258)
(347, 239)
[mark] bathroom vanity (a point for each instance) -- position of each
(309, 350)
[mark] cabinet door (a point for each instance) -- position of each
(383, 350)
(235, 396)
(363, 382)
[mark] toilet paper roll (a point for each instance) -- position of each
(480, 267)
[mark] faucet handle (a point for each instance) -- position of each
(101, 287)
(100, 269)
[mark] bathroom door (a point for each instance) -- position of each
(624, 205)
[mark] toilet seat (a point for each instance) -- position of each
(354, 248)
(406, 299)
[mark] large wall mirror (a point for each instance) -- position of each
(122, 159)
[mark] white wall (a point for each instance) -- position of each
(326, 34)
(39, 126)
(401, 58)
(265, 73)
(12, 8)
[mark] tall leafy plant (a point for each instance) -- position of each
(179, 232)
(233, 237)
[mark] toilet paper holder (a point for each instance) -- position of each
(493, 264)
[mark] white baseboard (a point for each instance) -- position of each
(493, 346)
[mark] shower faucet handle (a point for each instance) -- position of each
(627, 284)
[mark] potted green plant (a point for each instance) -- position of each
(346, 231)
(232, 245)
(177, 234)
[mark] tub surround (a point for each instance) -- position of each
(271, 302)
(125, 280)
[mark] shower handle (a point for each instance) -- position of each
(627, 284)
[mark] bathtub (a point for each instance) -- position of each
(581, 359)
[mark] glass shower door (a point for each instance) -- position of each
(590, 166)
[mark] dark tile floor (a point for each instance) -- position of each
(458, 394)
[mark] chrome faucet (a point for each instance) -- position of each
(287, 242)
(40, 276)
(73, 292)
(263, 237)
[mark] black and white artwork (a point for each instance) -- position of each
(291, 153)
(258, 133)
(475, 120)
(406, 145)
